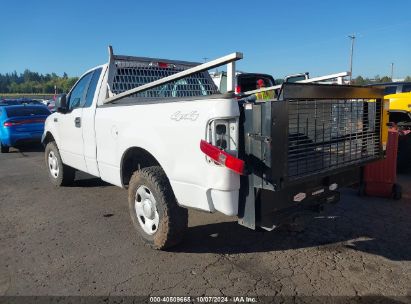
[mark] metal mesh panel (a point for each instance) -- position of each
(132, 74)
(328, 134)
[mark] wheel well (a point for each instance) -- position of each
(134, 159)
(49, 138)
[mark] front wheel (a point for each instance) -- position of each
(59, 173)
(154, 211)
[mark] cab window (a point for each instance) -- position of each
(78, 94)
(92, 88)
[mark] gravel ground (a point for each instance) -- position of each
(79, 240)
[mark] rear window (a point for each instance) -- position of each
(295, 78)
(406, 88)
(249, 83)
(390, 90)
(27, 111)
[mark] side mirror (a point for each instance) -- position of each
(61, 104)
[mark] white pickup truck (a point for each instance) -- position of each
(161, 129)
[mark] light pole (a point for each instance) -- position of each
(392, 71)
(352, 37)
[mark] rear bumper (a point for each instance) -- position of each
(206, 199)
(273, 208)
(15, 138)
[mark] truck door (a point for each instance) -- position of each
(87, 123)
(70, 126)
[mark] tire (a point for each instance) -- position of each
(397, 192)
(4, 149)
(59, 173)
(161, 223)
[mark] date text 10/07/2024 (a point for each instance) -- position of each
(203, 299)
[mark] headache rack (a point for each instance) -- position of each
(148, 78)
(132, 72)
(312, 129)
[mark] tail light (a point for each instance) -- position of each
(238, 89)
(233, 163)
(12, 123)
(221, 144)
(223, 133)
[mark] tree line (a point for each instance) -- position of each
(33, 82)
(359, 80)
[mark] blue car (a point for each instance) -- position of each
(21, 124)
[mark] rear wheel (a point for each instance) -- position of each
(4, 149)
(59, 173)
(156, 215)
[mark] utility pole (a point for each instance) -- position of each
(352, 37)
(392, 71)
(205, 59)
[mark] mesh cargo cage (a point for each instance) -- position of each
(300, 147)
(132, 72)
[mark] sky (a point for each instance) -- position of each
(276, 37)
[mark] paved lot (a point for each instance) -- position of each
(80, 241)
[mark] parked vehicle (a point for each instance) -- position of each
(51, 105)
(8, 102)
(400, 110)
(162, 129)
(394, 87)
(30, 101)
(297, 77)
(21, 124)
(20, 101)
(399, 96)
(400, 116)
(243, 81)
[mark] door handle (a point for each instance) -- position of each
(77, 122)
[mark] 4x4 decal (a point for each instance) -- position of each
(177, 116)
